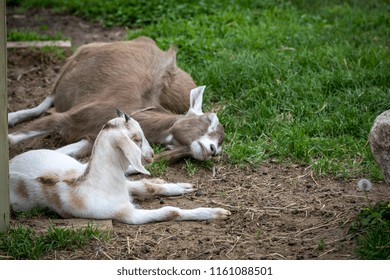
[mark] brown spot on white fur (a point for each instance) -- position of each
(75, 200)
(171, 216)
(48, 180)
(151, 189)
(48, 184)
(122, 214)
(50, 192)
(22, 190)
(70, 177)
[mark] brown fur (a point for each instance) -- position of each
(152, 189)
(49, 190)
(122, 214)
(76, 201)
(70, 177)
(135, 76)
(174, 154)
(21, 189)
(172, 216)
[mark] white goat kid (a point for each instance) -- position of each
(98, 189)
(139, 78)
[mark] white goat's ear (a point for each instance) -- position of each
(214, 121)
(127, 118)
(196, 96)
(135, 159)
(122, 114)
(133, 154)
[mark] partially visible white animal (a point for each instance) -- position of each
(98, 189)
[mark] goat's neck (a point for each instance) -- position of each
(156, 123)
(106, 165)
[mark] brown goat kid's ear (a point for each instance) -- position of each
(196, 96)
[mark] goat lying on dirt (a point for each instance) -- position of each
(98, 189)
(137, 77)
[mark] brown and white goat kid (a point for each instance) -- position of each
(98, 189)
(137, 77)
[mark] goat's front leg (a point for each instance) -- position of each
(130, 215)
(153, 187)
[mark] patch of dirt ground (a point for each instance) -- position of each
(279, 211)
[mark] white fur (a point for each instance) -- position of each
(16, 138)
(196, 100)
(16, 117)
(99, 189)
(75, 148)
(204, 148)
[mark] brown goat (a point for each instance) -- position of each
(137, 77)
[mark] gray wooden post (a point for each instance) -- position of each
(4, 190)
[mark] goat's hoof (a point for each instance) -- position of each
(222, 214)
(186, 187)
(11, 140)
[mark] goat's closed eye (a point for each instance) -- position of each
(137, 140)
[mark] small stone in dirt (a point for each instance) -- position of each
(173, 238)
(294, 211)
(199, 193)
(146, 249)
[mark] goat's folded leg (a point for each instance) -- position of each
(155, 187)
(79, 149)
(37, 128)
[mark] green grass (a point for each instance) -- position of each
(372, 231)
(36, 212)
(23, 35)
(297, 81)
(21, 242)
